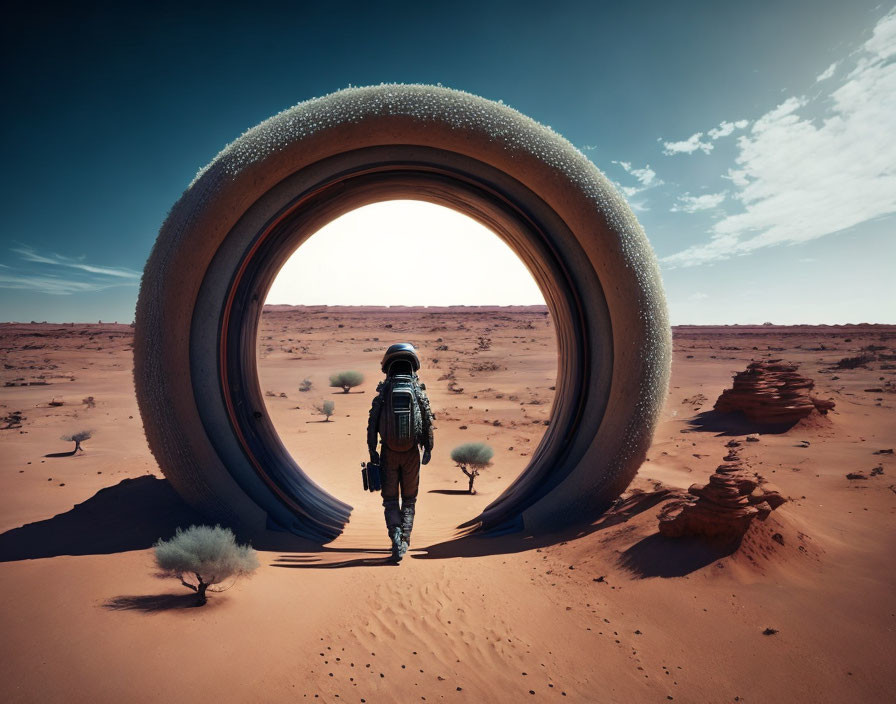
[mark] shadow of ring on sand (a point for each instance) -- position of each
(131, 515)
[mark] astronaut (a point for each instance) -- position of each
(401, 416)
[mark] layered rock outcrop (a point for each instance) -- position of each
(771, 393)
(724, 507)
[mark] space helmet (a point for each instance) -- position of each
(400, 351)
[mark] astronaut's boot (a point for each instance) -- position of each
(393, 516)
(407, 522)
(398, 547)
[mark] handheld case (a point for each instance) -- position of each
(370, 476)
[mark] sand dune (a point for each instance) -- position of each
(802, 610)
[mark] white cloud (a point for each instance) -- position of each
(696, 141)
(692, 204)
(882, 44)
(726, 128)
(800, 179)
(827, 73)
(29, 255)
(83, 277)
(688, 146)
(53, 285)
(646, 176)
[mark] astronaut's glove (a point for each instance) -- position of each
(426, 456)
(374, 457)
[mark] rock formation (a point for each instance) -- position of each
(724, 508)
(771, 393)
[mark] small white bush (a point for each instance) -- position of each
(201, 556)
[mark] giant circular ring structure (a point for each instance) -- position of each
(223, 242)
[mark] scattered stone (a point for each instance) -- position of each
(769, 631)
(854, 362)
(771, 393)
(856, 475)
(13, 421)
(884, 452)
(752, 438)
(877, 471)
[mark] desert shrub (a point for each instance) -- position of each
(305, 385)
(325, 408)
(201, 556)
(346, 380)
(13, 420)
(472, 458)
(78, 438)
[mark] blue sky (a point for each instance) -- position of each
(753, 140)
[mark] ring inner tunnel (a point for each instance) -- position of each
(489, 367)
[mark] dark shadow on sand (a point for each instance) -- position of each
(451, 492)
(653, 556)
(729, 424)
(659, 556)
(475, 545)
(130, 515)
(318, 561)
(153, 603)
(61, 454)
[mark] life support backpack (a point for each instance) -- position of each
(401, 422)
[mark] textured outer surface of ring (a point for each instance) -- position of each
(609, 240)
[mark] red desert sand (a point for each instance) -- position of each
(802, 609)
